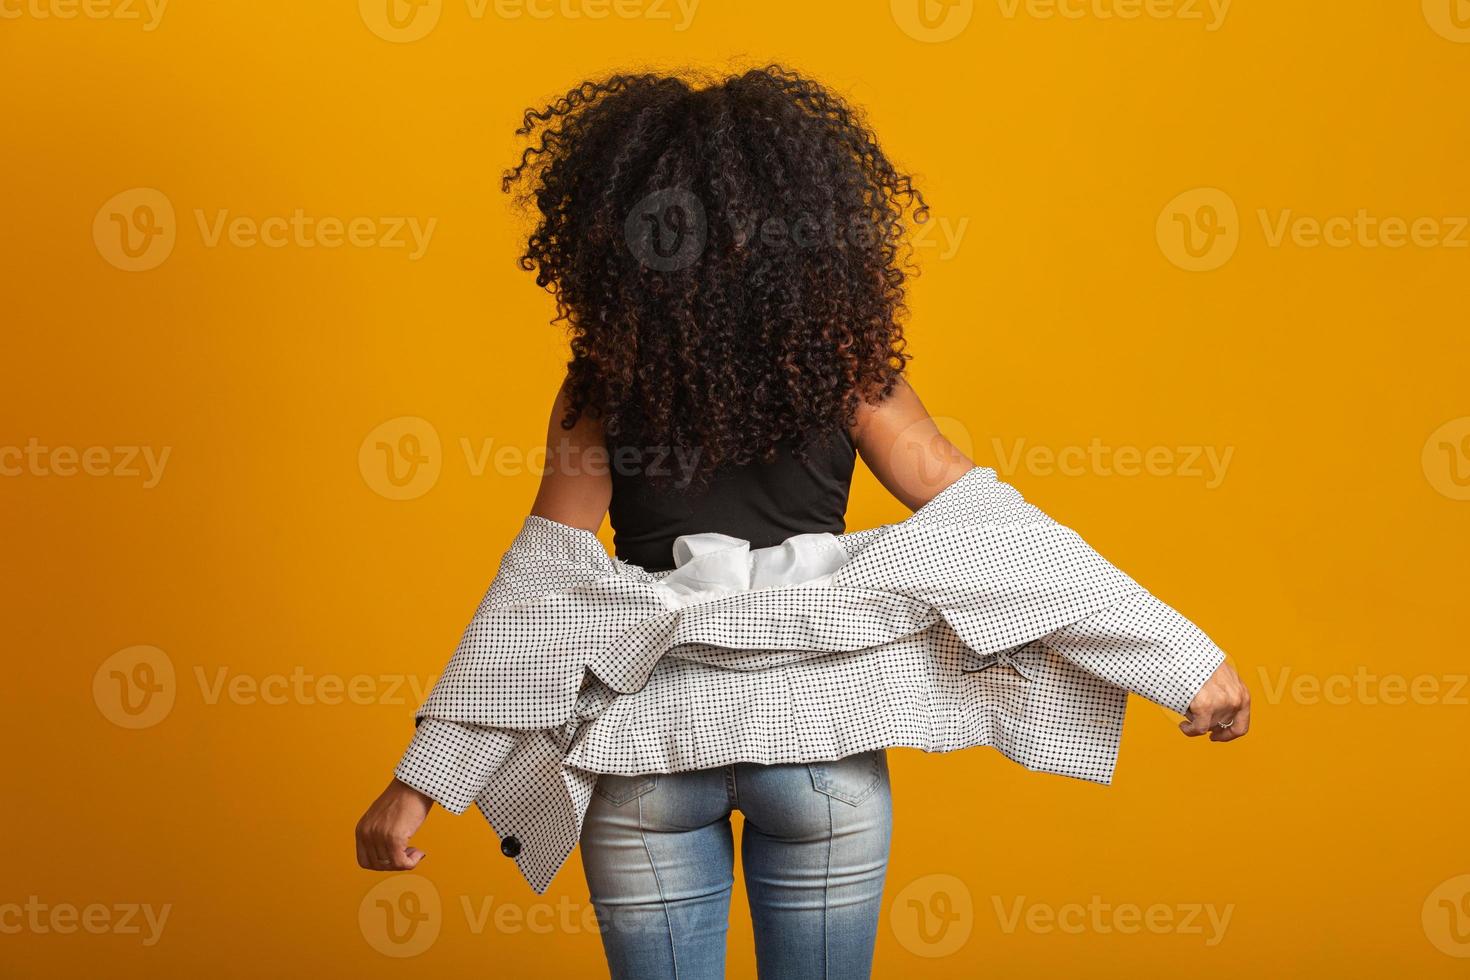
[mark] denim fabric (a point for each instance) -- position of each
(658, 852)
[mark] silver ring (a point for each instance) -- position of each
(1226, 724)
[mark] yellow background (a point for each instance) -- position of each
(1332, 550)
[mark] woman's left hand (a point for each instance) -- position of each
(1221, 708)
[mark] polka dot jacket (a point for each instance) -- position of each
(977, 621)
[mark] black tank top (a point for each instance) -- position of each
(764, 503)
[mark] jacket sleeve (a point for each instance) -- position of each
(1141, 644)
(451, 762)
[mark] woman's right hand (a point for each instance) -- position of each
(384, 830)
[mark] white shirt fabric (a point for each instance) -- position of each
(976, 621)
(710, 565)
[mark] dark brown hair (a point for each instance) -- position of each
(727, 258)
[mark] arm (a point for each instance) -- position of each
(577, 486)
(901, 444)
(905, 449)
(575, 490)
(1144, 645)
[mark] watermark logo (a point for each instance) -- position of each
(135, 688)
(1446, 916)
(933, 916)
(136, 229)
(1210, 13)
(121, 462)
(38, 918)
(401, 916)
(405, 21)
(1446, 459)
(679, 13)
(301, 687)
(932, 21)
(402, 458)
(1450, 19)
(1365, 687)
(1362, 230)
(667, 230)
(1199, 229)
(400, 21)
(1208, 464)
(302, 230)
(1206, 920)
(566, 917)
(389, 460)
(148, 13)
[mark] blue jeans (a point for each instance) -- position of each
(659, 856)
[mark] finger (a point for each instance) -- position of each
(1199, 721)
(364, 860)
(1224, 722)
(378, 851)
(1231, 725)
(1241, 726)
(1203, 711)
(399, 855)
(414, 856)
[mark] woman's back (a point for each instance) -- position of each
(762, 502)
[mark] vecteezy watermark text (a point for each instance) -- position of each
(1208, 464)
(406, 21)
(137, 229)
(137, 687)
(40, 918)
(147, 13)
(1204, 919)
(402, 459)
(1208, 13)
(302, 230)
(1200, 229)
(669, 230)
(121, 462)
(1364, 686)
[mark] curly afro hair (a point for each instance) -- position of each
(729, 259)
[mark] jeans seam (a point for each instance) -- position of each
(662, 898)
(827, 891)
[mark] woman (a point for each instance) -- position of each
(728, 258)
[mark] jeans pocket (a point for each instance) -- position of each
(851, 779)
(618, 789)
